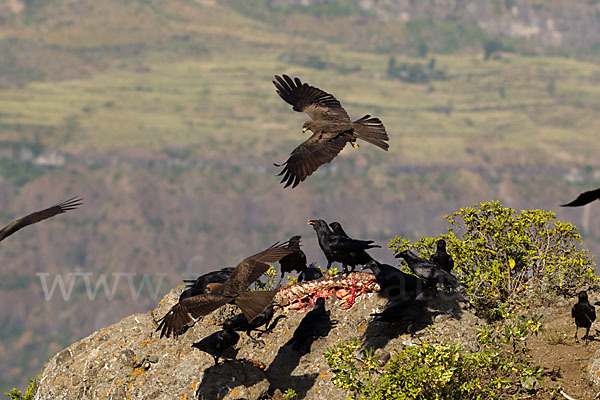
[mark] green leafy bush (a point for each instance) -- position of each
(504, 257)
(29, 393)
(437, 370)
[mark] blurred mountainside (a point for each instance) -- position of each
(163, 117)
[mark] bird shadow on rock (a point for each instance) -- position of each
(288, 358)
(223, 377)
(407, 316)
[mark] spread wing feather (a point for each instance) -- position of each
(187, 310)
(38, 216)
(317, 103)
(309, 156)
(251, 268)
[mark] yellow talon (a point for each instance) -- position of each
(355, 145)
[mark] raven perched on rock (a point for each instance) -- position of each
(441, 257)
(584, 314)
(312, 273)
(584, 198)
(218, 342)
(240, 323)
(395, 284)
(38, 216)
(296, 261)
(331, 126)
(427, 270)
(234, 290)
(339, 248)
(358, 257)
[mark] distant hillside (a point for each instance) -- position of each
(163, 117)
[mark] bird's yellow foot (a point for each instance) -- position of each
(354, 144)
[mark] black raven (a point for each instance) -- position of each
(240, 323)
(441, 257)
(234, 290)
(584, 314)
(296, 261)
(358, 257)
(338, 248)
(427, 270)
(331, 126)
(584, 198)
(395, 284)
(218, 342)
(312, 273)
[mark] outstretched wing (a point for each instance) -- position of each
(584, 198)
(187, 310)
(317, 103)
(309, 156)
(38, 216)
(251, 268)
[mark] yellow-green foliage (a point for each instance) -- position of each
(435, 369)
(503, 256)
(29, 392)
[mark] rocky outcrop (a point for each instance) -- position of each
(129, 360)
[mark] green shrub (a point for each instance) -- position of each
(504, 258)
(437, 370)
(29, 393)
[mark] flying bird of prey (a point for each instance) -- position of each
(441, 256)
(331, 126)
(338, 248)
(217, 343)
(296, 261)
(584, 314)
(584, 198)
(197, 286)
(427, 270)
(234, 291)
(38, 216)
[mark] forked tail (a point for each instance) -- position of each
(371, 130)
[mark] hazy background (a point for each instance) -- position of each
(162, 115)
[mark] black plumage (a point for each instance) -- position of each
(584, 314)
(241, 324)
(234, 291)
(584, 198)
(338, 248)
(395, 284)
(427, 270)
(331, 126)
(312, 273)
(357, 257)
(441, 256)
(295, 261)
(218, 342)
(198, 286)
(316, 323)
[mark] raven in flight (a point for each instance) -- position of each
(331, 126)
(234, 291)
(584, 198)
(38, 216)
